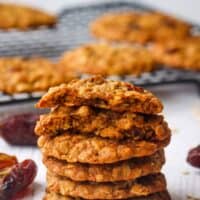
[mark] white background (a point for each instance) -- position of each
(188, 9)
(182, 111)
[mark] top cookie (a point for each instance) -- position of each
(106, 59)
(22, 17)
(182, 54)
(139, 27)
(18, 74)
(99, 92)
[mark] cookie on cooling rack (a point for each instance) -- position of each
(139, 27)
(22, 17)
(107, 59)
(181, 54)
(18, 74)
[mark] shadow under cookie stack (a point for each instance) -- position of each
(103, 140)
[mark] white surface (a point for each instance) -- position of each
(188, 9)
(182, 111)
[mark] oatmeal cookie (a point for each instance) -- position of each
(181, 54)
(121, 171)
(19, 74)
(22, 17)
(99, 92)
(120, 190)
(156, 196)
(96, 150)
(139, 27)
(105, 123)
(105, 59)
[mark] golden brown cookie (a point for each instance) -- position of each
(106, 59)
(157, 196)
(22, 17)
(139, 27)
(99, 92)
(121, 171)
(19, 75)
(119, 190)
(105, 123)
(181, 54)
(96, 150)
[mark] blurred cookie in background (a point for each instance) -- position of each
(181, 54)
(107, 59)
(18, 75)
(23, 17)
(139, 27)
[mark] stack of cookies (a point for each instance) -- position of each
(103, 140)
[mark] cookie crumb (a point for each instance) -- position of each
(196, 111)
(175, 131)
(186, 173)
(189, 197)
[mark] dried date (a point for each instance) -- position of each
(193, 157)
(19, 129)
(18, 179)
(7, 161)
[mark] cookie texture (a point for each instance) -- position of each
(23, 18)
(121, 171)
(157, 196)
(141, 27)
(121, 190)
(105, 123)
(18, 74)
(96, 150)
(107, 59)
(99, 92)
(181, 54)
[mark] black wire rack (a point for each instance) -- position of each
(72, 31)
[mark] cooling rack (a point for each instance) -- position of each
(72, 31)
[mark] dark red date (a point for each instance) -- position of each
(18, 179)
(19, 129)
(194, 157)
